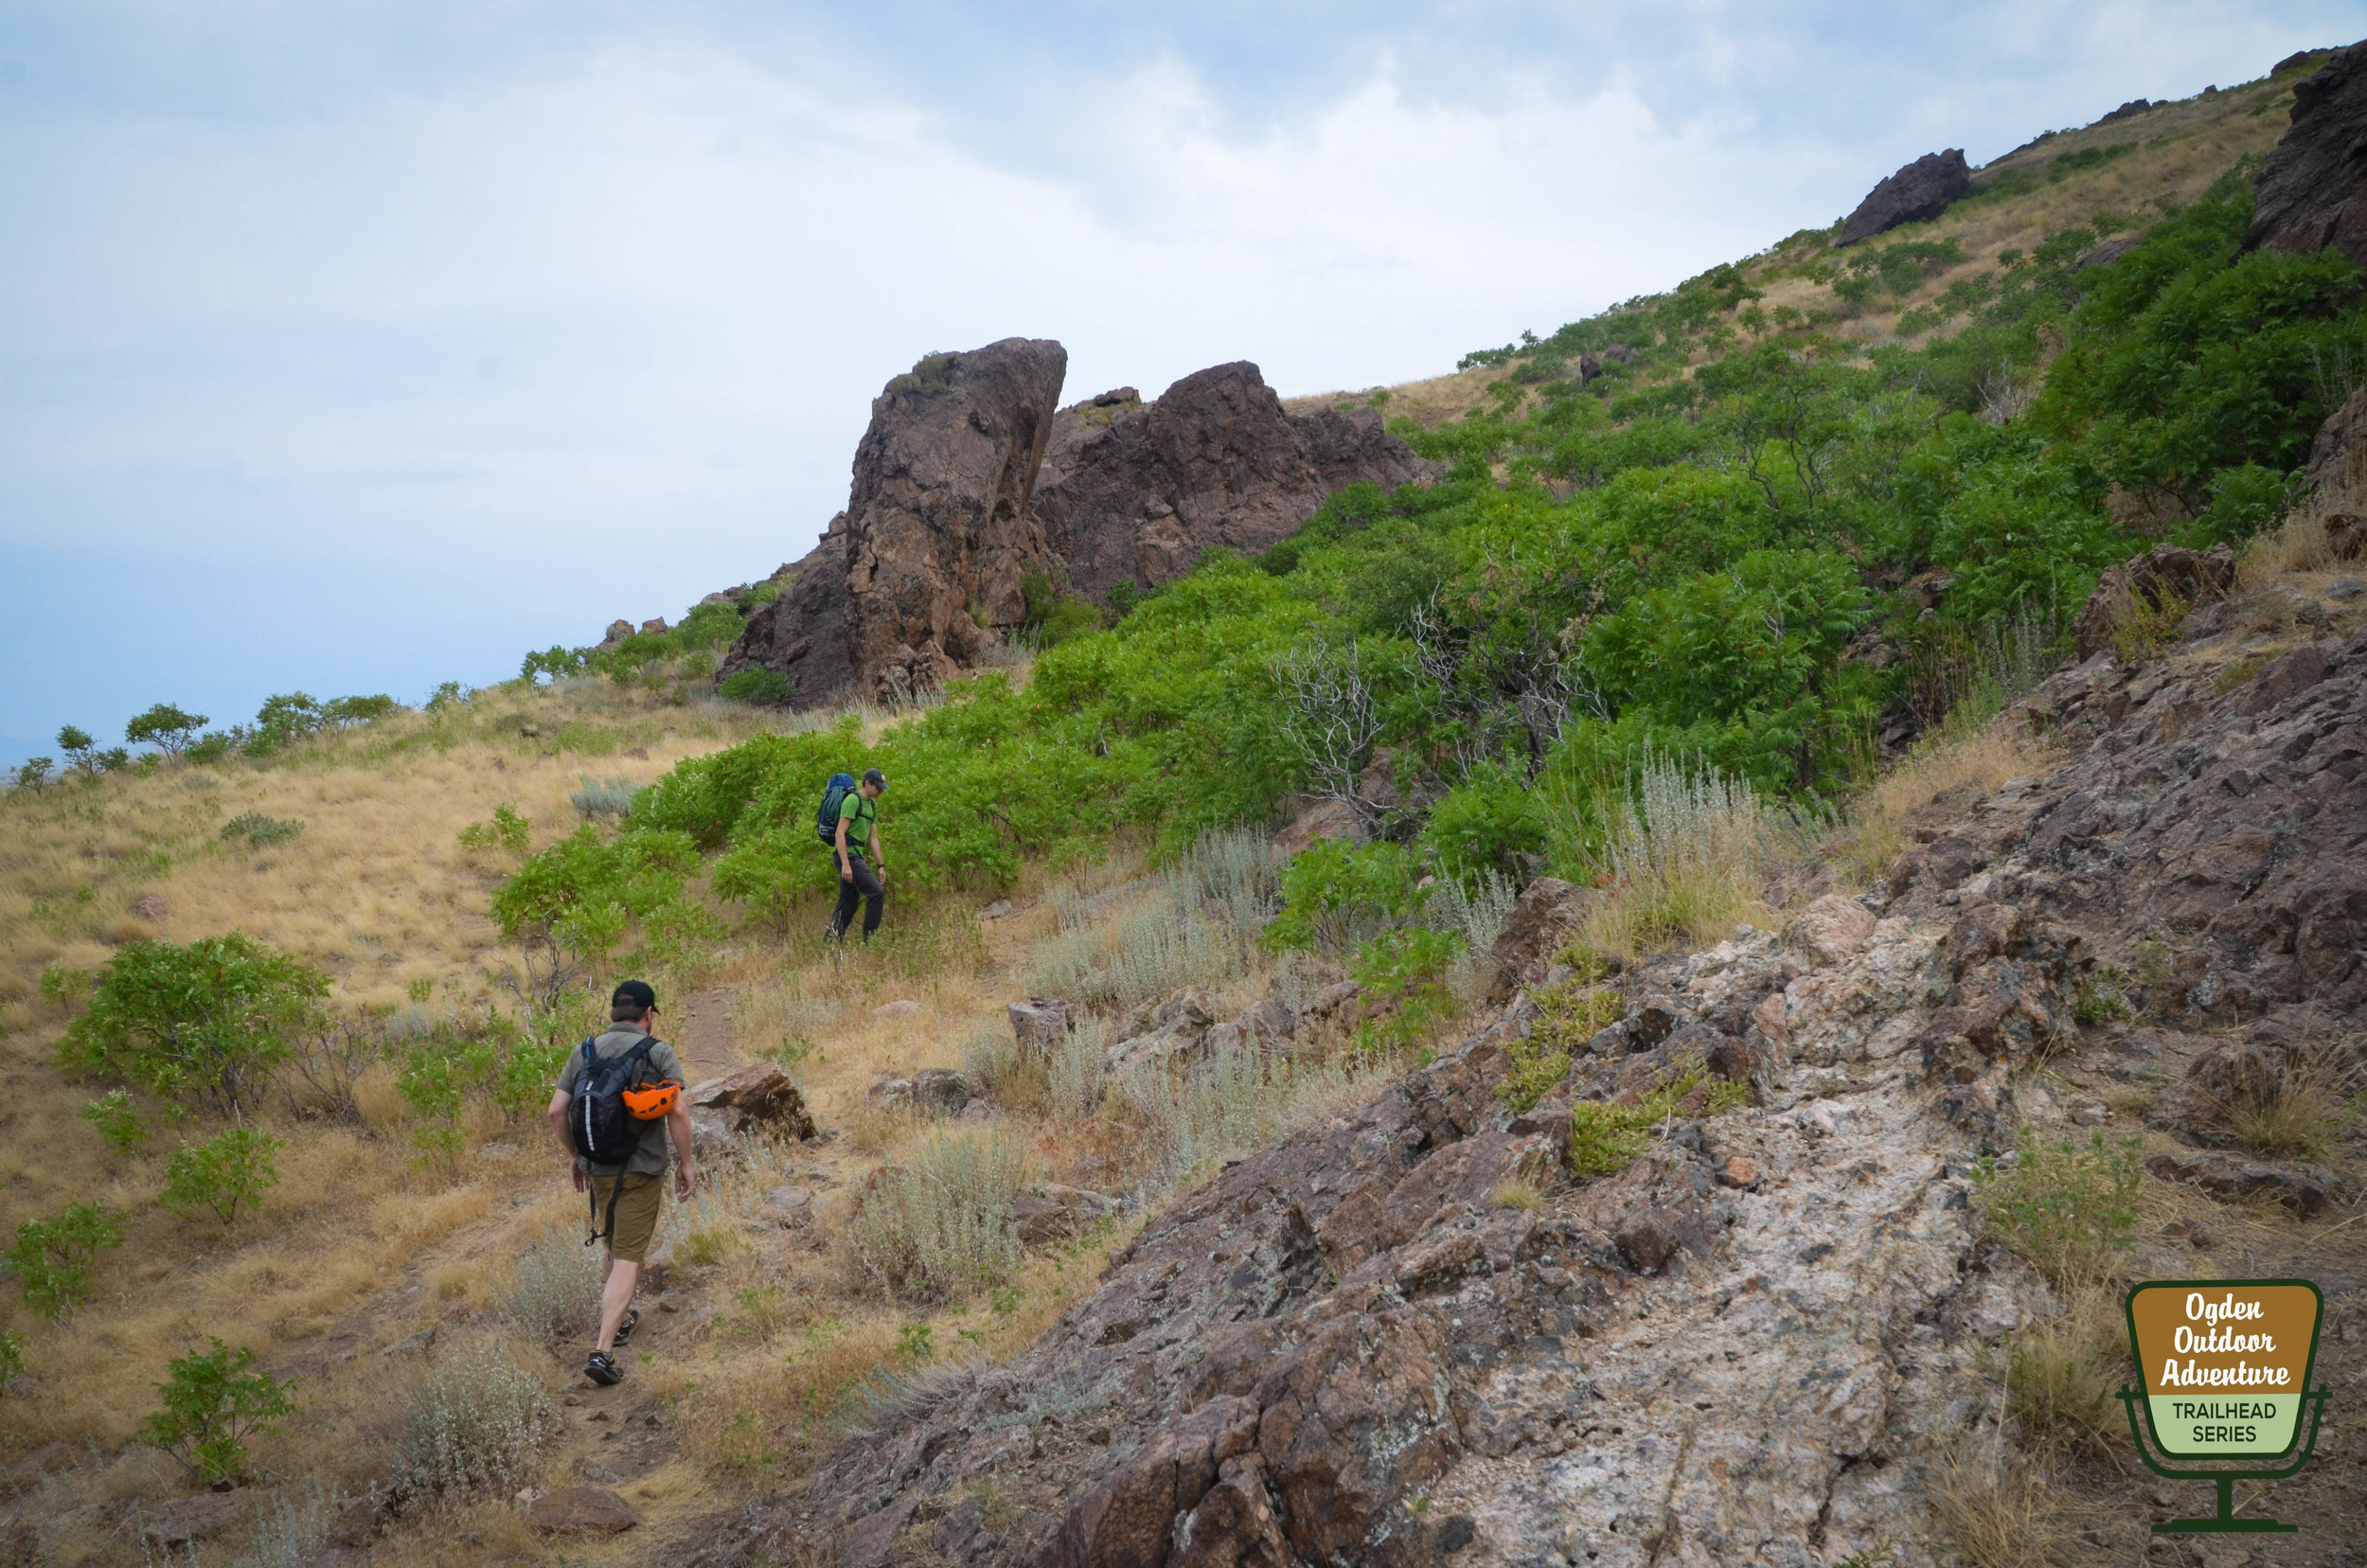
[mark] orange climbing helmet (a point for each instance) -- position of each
(648, 1101)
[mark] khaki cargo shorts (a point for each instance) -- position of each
(636, 1213)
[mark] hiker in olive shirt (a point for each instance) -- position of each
(859, 828)
(632, 1222)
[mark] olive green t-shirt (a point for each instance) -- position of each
(859, 816)
(649, 1155)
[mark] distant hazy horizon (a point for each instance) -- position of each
(354, 353)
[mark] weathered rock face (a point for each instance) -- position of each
(2196, 577)
(936, 528)
(2312, 192)
(968, 480)
(1132, 492)
(1915, 194)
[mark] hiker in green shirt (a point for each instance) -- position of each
(857, 829)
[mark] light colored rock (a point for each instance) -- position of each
(889, 1095)
(897, 1012)
(1039, 1020)
(1834, 928)
(1326, 819)
(941, 1091)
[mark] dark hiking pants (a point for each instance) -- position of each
(865, 888)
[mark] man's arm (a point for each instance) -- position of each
(685, 1160)
(879, 856)
(557, 1115)
(845, 867)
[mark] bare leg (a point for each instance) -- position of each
(616, 1286)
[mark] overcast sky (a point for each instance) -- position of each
(357, 347)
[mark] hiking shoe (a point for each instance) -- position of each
(602, 1368)
(624, 1330)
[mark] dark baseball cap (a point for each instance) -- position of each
(635, 994)
(874, 777)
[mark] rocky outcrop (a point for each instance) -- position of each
(1917, 193)
(936, 536)
(2312, 192)
(968, 481)
(1132, 492)
(2166, 572)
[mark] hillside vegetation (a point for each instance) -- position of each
(1698, 628)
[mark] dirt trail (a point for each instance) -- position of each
(701, 1036)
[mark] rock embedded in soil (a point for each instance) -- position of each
(760, 1098)
(1542, 922)
(1040, 1020)
(182, 1519)
(583, 1510)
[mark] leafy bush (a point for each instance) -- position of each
(1405, 973)
(2069, 1211)
(1490, 822)
(52, 1257)
(476, 1423)
(508, 831)
(61, 986)
(34, 773)
(212, 1404)
(260, 831)
(81, 750)
(234, 1167)
(209, 1019)
(116, 1120)
(940, 1220)
(761, 687)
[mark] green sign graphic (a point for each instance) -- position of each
(2226, 1366)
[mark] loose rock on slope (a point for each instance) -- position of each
(1917, 193)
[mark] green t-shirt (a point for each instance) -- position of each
(649, 1155)
(859, 816)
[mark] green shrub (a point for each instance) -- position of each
(1405, 971)
(260, 831)
(12, 1359)
(1533, 1073)
(52, 1257)
(1490, 822)
(116, 1120)
(2069, 1211)
(508, 831)
(1604, 1137)
(233, 1168)
(610, 797)
(211, 1404)
(762, 687)
(35, 773)
(81, 750)
(64, 988)
(207, 1020)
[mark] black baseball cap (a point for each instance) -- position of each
(874, 777)
(635, 992)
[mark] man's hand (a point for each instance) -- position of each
(583, 1182)
(845, 872)
(686, 1181)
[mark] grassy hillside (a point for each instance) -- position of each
(1701, 631)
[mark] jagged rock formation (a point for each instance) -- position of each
(968, 480)
(2312, 192)
(1917, 193)
(937, 536)
(1133, 491)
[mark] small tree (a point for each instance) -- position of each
(35, 773)
(509, 830)
(166, 727)
(222, 1173)
(82, 752)
(212, 1404)
(207, 1018)
(116, 1120)
(358, 710)
(52, 1257)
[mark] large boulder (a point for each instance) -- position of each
(1132, 492)
(1917, 193)
(938, 525)
(1544, 919)
(2309, 193)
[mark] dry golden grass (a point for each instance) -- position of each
(1877, 829)
(1995, 1505)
